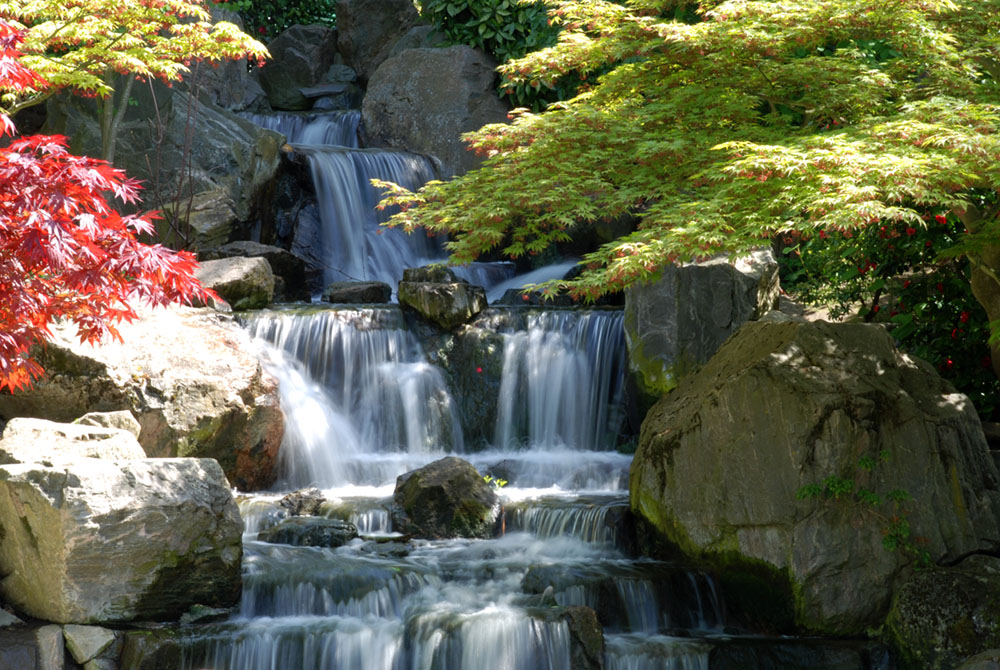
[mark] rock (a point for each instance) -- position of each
(368, 29)
(988, 660)
(169, 527)
(446, 498)
(300, 58)
(586, 638)
(418, 37)
(7, 619)
(123, 420)
(32, 647)
(233, 161)
(28, 440)
(209, 221)
(785, 405)
(357, 292)
(229, 83)
(941, 616)
(310, 531)
(245, 283)
(440, 297)
(284, 264)
(87, 642)
(152, 650)
(424, 99)
(187, 376)
(305, 502)
(676, 323)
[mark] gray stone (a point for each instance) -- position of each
(206, 221)
(29, 440)
(87, 642)
(357, 292)
(155, 145)
(446, 498)
(169, 527)
(187, 375)
(367, 30)
(941, 616)
(7, 619)
(245, 283)
(424, 99)
(310, 531)
(722, 459)
(439, 297)
(123, 420)
(300, 57)
(284, 264)
(418, 37)
(988, 660)
(676, 323)
(230, 84)
(586, 638)
(303, 502)
(32, 647)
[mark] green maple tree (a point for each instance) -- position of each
(85, 45)
(718, 126)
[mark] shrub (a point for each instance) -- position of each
(267, 18)
(907, 277)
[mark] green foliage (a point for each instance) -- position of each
(763, 117)
(912, 278)
(267, 18)
(506, 29)
(889, 509)
(495, 482)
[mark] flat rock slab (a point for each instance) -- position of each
(29, 440)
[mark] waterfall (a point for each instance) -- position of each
(359, 387)
(562, 381)
(331, 128)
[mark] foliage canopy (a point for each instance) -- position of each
(64, 251)
(720, 128)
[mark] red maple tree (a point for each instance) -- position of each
(64, 250)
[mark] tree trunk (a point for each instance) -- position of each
(985, 265)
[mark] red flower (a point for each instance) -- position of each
(911, 231)
(875, 309)
(261, 30)
(964, 317)
(954, 333)
(940, 287)
(927, 244)
(986, 362)
(906, 284)
(822, 234)
(942, 219)
(479, 369)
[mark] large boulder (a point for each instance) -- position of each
(206, 221)
(310, 531)
(787, 405)
(357, 292)
(438, 296)
(368, 29)
(228, 153)
(289, 270)
(185, 374)
(245, 283)
(28, 440)
(941, 616)
(446, 498)
(230, 84)
(168, 529)
(424, 99)
(300, 58)
(676, 323)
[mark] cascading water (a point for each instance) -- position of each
(364, 404)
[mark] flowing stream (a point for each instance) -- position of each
(367, 398)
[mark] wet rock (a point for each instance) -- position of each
(446, 498)
(722, 459)
(942, 616)
(357, 292)
(304, 502)
(300, 58)
(424, 99)
(207, 221)
(169, 527)
(32, 647)
(439, 297)
(86, 643)
(29, 440)
(676, 323)
(739, 654)
(586, 638)
(187, 377)
(152, 650)
(245, 283)
(306, 531)
(368, 29)
(285, 265)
